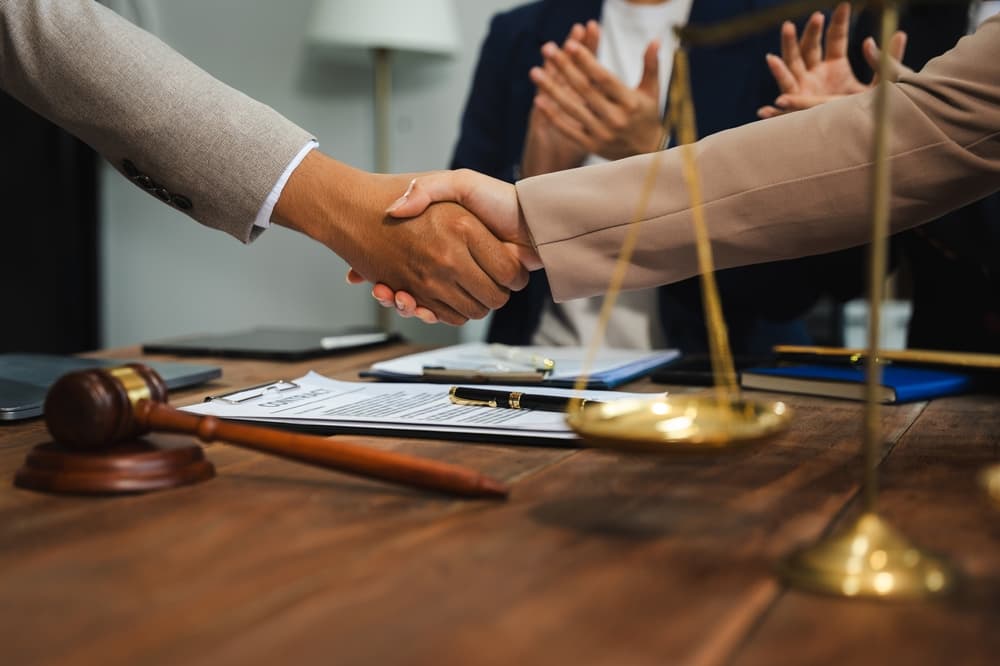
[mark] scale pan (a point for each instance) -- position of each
(676, 424)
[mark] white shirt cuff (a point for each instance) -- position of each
(263, 219)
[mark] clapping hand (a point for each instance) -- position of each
(592, 106)
(546, 147)
(807, 77)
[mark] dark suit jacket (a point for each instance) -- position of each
(729, 83)
(953, 262)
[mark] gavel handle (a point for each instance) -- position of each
(323, 452)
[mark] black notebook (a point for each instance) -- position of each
(280, 344)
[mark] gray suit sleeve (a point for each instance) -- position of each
(170, 127)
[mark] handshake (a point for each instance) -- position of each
(457, 246)
(455, 243)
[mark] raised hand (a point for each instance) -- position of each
(808, 77)
(443, 256)
(546, 148)
(593, 107)
(493, 201)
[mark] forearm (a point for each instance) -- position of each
(334, 203)
(790, 186)
(543, 155)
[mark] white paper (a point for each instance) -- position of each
(316, 400)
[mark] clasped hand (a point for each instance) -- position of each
(492, 201)
(581, 108)
(443, 255)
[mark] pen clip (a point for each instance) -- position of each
(859, 359)
(469, 402)
(245, 394)
(470, 376)
(520, 355)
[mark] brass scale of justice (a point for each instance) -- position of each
(869, 558)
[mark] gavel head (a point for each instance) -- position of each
(95, 409)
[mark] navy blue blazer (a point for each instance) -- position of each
(954, 261)
(729, 83)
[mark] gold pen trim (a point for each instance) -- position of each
(469, 402)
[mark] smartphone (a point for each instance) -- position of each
(696, 369)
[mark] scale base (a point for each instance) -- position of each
(868, 559)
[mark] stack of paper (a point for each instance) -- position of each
(324, 405)
(480, 363)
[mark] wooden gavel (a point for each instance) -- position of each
(92, 410)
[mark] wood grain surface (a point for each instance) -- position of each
(597, 558)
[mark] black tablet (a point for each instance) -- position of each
(285, 344)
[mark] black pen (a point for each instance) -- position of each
(463, 395)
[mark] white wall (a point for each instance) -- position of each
(164, 275)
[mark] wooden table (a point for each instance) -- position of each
(597, 558)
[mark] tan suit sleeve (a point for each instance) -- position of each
(786, 187)
(179, 133)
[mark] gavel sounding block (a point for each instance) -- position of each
(155, 462)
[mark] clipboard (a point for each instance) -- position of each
(473, 363)
(242, 395)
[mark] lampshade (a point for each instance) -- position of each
(420, 26)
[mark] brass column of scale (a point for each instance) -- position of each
(868, 558)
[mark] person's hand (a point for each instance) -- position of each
(404, 303)
(807, 77)
(443, 256)
(493, 201)
(546, 148)
(593, 107)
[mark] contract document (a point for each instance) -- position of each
(319, 404)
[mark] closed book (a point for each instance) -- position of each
(898, 384)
